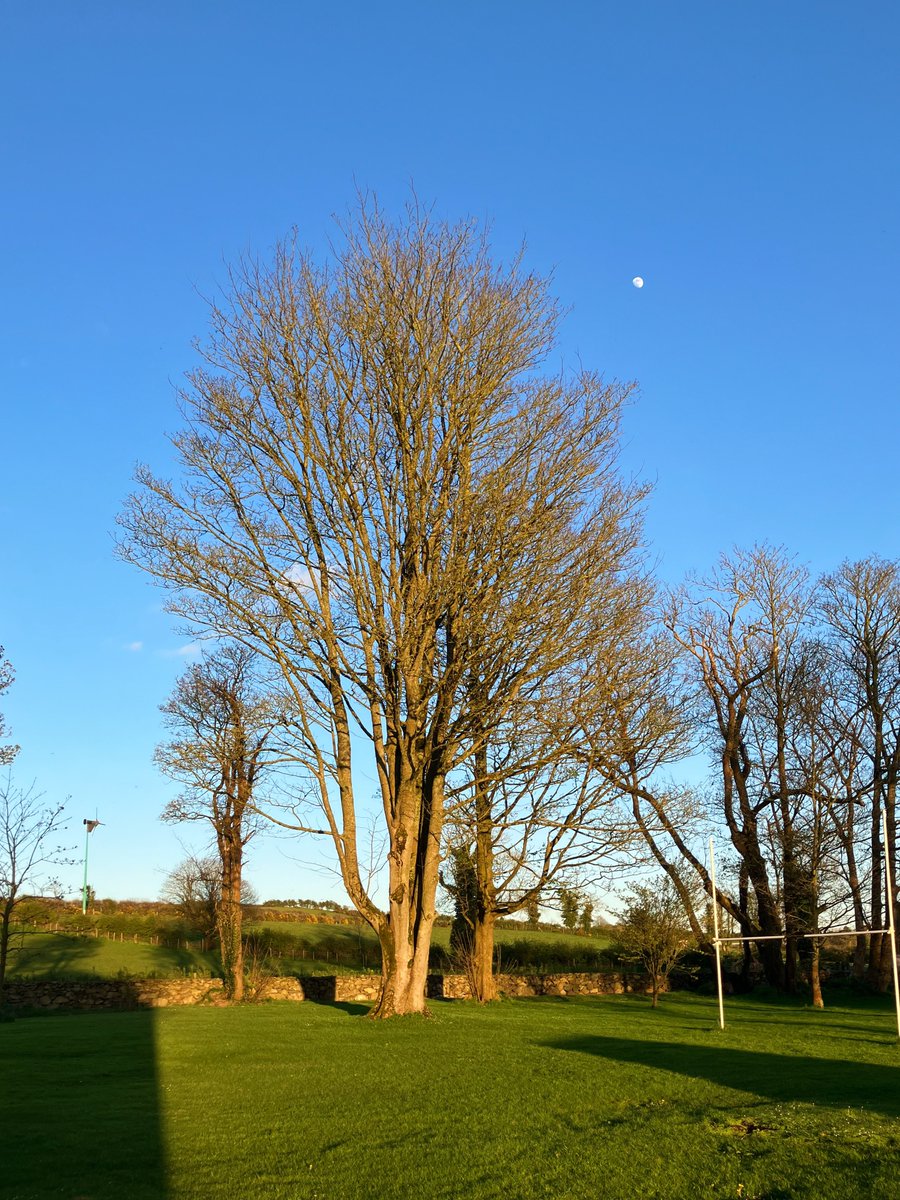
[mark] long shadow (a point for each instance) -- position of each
(175, 956)
(79, 1108)
(68, 956)
(346, 1006)
(835, 1083)
(47, 954)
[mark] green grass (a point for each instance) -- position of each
(582, 1098)
(65, 956)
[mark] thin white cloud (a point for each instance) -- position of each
(133, 647)
(300, 576)
(188, 650)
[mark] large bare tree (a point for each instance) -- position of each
(382, 495)
(228, 729)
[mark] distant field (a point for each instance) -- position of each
(579, 1099)
(284, 947)
(43, 955)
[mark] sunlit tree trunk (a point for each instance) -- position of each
(815, 981)
(229, 916)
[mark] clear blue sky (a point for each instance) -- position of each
(742, 157)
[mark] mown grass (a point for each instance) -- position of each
(601, 1098)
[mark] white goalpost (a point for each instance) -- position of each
(718, 941)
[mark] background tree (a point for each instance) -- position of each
(194, 887)
(385, 498)
(568, 907)
(654, 930)
(860, 607)
(29, 847)
(794, 691)
(533, 910)
(738, 637)
(228, 729)
(7, 675)
(463, 888)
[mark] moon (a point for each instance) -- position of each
(638, 281)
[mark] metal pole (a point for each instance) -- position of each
(891, 922)
(87, 834)
(715, 909)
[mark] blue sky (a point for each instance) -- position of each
(741, 157)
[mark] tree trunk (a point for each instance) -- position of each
(404, 972)
(772, 963)
(814, 979)
(859, 956)
(228, 920)
(4, 946)
(482, 972)
(883, 974)
(483, 980)
(413, 869)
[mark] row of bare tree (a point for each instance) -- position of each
(792, 686)
(419, 553)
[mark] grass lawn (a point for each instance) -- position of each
(582, 1098)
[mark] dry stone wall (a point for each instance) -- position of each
(54, 995)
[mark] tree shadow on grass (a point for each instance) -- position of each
(348, 1007)
(79, 1108)
(175, 958)
(69, 956)
(47, 954)
(835, 1083)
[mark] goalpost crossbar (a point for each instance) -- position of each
(780, 937)
(718, 942)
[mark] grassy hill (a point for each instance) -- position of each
(121, 948)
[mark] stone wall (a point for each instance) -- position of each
(51, 995)
(575, 983)
(133, 993)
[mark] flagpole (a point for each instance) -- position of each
(89, 827)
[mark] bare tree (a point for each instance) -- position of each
(741, 630)
(734, 637)
(533, 818)
(7, 675)
(535, 806)
(383, 497)
(861, 610)
(228, 729)
(194, 887)
(29, 848)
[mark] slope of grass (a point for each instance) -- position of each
(66, 956)
(558, 1098)
(302, 950)
(355, 946)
